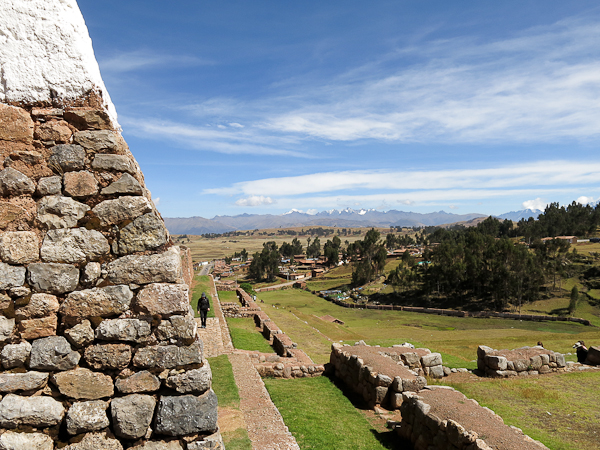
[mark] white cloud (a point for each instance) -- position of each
(541, 85)
(541, 174)
(453, 207)
(141, 59)
(156, 201)
(538, 203)
(583, 200)
(236, 125)
(218, 139)
(254, 200)
(312, 212)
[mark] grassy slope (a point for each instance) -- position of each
(458, 338)
(308, 407)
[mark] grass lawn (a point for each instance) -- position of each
(223, 383)
(228, 296)
(202, 283)
(321, 417)
(297, 313)
(558, 410)
(245, 335)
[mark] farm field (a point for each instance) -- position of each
(207, 249)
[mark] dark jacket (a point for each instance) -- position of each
(203, 304)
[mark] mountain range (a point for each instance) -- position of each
(347, 218)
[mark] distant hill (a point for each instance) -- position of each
(347, 218)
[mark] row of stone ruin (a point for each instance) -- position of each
(427, 431)
(382, 376)
(99, 348)
(525, 361)
(289, 361)
(360, 367)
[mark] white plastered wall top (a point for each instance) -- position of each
(46, 53)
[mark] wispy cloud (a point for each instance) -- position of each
(222, 139)
(144, 59)
(537, 203)
(538, 174)
(539, 86)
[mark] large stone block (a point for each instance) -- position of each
(15, 183)
(186, 414)
(28, 381)
(53, 278)
(132, 415)
(111, 212)
(40, 305)
(496, 362)
(16, 411)
(196, 381)
(15, 125)
(56, 211)
(160, 445)
(178, 328)
(108, 356)
(7, 327)
(67, 157)
(19, 247)
(123, 330)
(96, 441)
(212, 442)
(143, 269)
(84, 119)
(97, 302)
(433, 359)
(168, 356)
(125, 185)
(73, 245)
(81, 334)
(80, 184)
(38, 328)
(12, 440)
(84, 384)
(15, 355)
(147, 232)
(118, 163)
(98, 141)
(11, 276)
(49, 186)
(53, 353)
(57, 131)
(142, 381)
(84, 417)
(163, 298)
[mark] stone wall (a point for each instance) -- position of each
(524, 361)
(425, 426)
(187, 266)
(99, 347)
(375, 387)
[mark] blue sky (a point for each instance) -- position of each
(258, 107)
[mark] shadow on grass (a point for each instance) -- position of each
(388, 439)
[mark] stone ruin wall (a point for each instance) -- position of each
(525, 361)
(98, 344)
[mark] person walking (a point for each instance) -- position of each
(203, 308)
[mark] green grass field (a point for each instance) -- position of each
(245, 335)
(571, 399)
(557, 410)
(321, 417)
